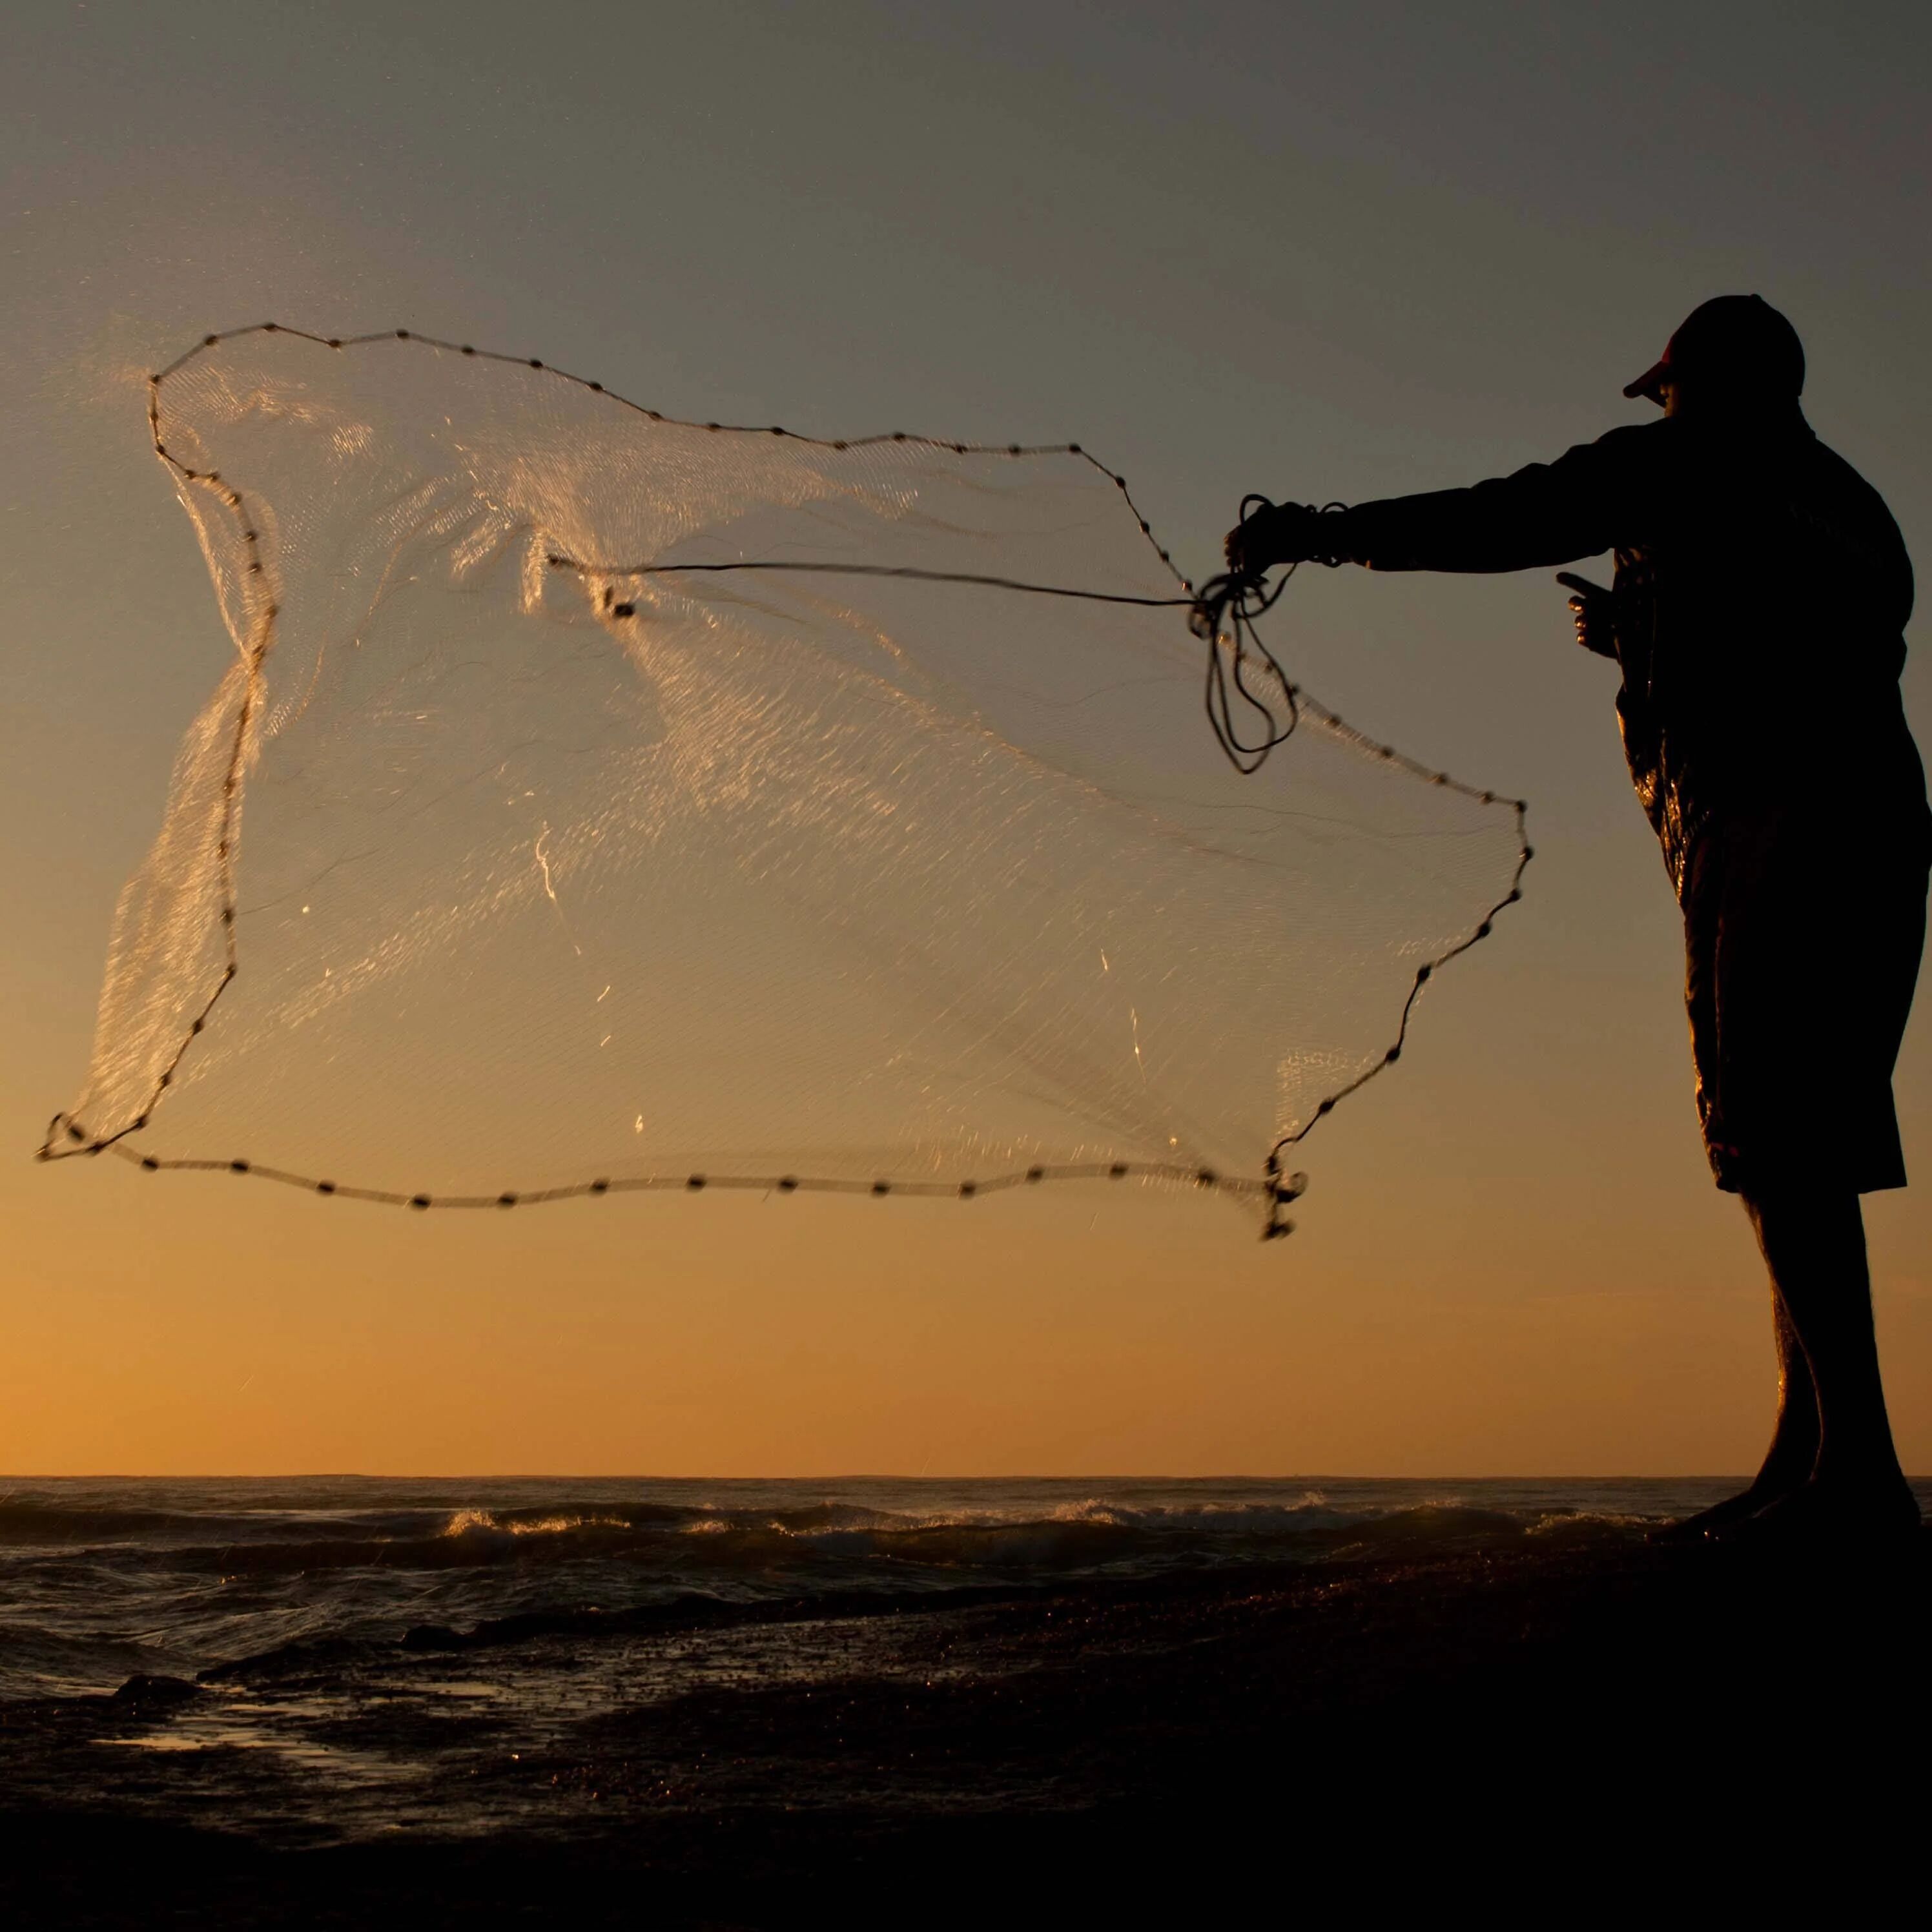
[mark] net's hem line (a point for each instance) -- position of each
(1276, 1191)
(258, 580)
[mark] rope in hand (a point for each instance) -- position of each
(1234, 600)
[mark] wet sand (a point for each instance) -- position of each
(1591, 1715)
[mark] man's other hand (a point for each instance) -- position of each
(1595, 609)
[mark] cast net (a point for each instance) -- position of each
(600, 801)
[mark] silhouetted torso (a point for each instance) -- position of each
(1763, 592)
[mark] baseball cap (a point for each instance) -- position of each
(1740, 341)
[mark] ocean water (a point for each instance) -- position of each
(102, 1580)
(338, 1660)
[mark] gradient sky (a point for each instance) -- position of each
(1321, 252)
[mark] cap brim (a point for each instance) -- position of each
(1650, 382)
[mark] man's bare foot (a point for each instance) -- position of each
(1787, 1468)
(1881, 1512)
(1721, 1515)
(1733, 1510)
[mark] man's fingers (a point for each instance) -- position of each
(1246, 547)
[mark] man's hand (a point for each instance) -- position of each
(1595, 609)
(1275, 533)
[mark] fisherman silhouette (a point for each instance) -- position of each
(1762, 589)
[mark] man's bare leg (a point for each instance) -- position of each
(1814, 1244)
(1788, 1462)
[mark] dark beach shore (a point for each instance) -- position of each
(1607, 1709)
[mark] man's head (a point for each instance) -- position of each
(1735, 353)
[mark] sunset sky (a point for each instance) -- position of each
(1324, 253)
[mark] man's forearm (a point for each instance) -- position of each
(1539, 516)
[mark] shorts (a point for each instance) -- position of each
(1802, 955)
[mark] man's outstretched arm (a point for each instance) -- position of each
(1549, 513)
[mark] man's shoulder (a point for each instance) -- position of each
(1658, 434)
(1631, 448)
(1836, 473)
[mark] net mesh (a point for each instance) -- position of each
(516, 855)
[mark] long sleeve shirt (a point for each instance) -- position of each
(1761, 593)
